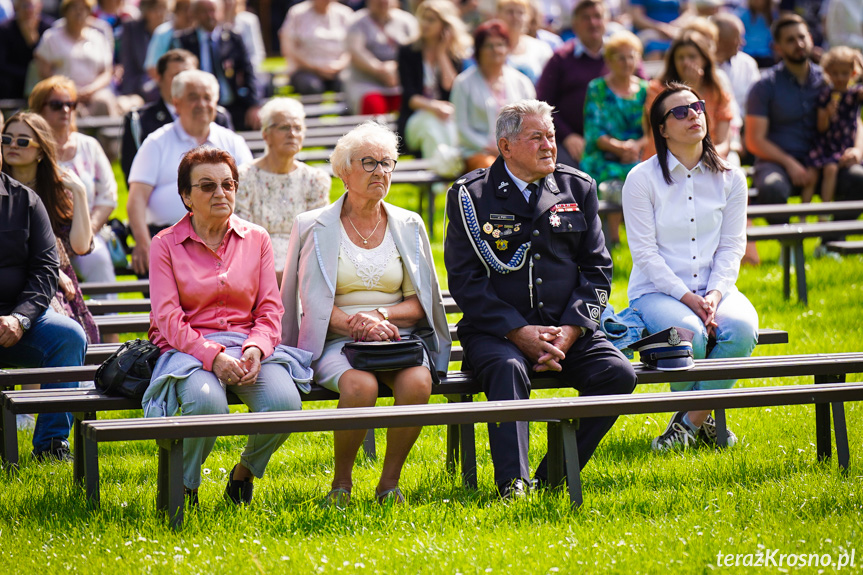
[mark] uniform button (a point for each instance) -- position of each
(693, 257)
(688, 175)
(695, 275)
(693, 239)
(691, 219)
(569, 226)
(690, 197)
(535, 233)
(541, 305)
(536, 256)
(539, 281)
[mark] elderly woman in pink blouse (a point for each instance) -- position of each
(217, 319)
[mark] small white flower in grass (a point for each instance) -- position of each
(222, 470)
(256, 542)
(127, 543)
(554, 569)
(178, 558)
(144, 539)
(489, 570)
(206, 471)
(285, 558)
(346, 563)
(359, 565)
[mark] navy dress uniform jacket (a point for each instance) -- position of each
(571, 268)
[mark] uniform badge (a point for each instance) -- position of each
(673, 337)
(461, 181)
(602, 296)
(554, 220)
(161, 115)
(516, 228)
(502, 185)
(487, 227)
(501, 245)
(593, 311)
(573, 207)
(495, 234)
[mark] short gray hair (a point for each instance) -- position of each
(353, 142)
(510, 118)
(186, 77)
(287, 106)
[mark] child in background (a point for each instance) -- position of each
(838, 111)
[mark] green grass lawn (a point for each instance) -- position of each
(643, 513)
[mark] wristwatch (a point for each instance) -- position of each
(23, 320)
(383, 311)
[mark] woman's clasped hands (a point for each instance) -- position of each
(704, 307)
(243, 371)
(370, 326)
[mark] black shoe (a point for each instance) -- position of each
(517, 489)
(191, 497)
(59, 451)
(238, 491)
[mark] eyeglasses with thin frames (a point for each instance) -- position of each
(20, 141)
(680, 112)
(209, 187)
(370, 164)
(58, 105)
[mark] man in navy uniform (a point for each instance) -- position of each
(527, 264)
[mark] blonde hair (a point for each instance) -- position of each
(42, 90)
(449, 15)
(352, 143)
(622, 39)
(843, 55)
(525, 3)
(287, 106)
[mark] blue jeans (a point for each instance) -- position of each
(736, 334)
(52, 341)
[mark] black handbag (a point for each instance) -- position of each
(391, 355)
(128, 371)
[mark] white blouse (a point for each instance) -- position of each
(687, 236)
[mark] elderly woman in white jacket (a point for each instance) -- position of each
(362, 270)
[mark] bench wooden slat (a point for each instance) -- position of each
(845, 247)
(180, 427)
(799, 231)
(810, 209)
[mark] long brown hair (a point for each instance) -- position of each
(49, 186)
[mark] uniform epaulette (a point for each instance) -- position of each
(570, 170)
(471, 177)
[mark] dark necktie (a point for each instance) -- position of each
(534, 196)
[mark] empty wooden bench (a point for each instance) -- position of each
(791, 236)
(169, 432)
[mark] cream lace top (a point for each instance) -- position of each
(273, 201)
(368, 279)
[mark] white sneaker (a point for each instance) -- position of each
(707, 433)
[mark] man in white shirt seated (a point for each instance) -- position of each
(154, 203)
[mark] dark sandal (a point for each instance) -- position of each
(338, 497)
(394, 496)
(238, 491)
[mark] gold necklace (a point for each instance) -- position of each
(365, 239)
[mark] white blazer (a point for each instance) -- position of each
(309, 281)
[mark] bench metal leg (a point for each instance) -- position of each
(721, 428)
(786, 270)
(800, 265)
(9, 443)
(89, 455)
(823, 433)
(467, 449)
(841, 432)
(79, 453)
(369, 444)
(573, 469)
(170, 489)
(555, 458)
(453, 439)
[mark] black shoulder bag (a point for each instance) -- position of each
(391, 355)
(128, 371)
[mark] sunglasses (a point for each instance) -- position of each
(371, 164)
(680, 112)
(20, 141)
(210, 187)
(58, 105)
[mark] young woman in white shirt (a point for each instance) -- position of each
(685, 212)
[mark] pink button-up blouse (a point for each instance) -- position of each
(195, 292)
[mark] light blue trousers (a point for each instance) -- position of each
(736, 334)
(203, 394)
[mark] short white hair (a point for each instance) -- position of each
(351, 144)
(287, 106)
(510, 119)
(186, 77)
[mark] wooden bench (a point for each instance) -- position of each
(169, 432)
(791, 236)
(803, 210)
(845, 247)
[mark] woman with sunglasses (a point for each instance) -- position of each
(216, 316)
(55, 99)
(29, 157)
(689, 61)
(685, 212)
(361, 269)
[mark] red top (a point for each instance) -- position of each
(195, 292)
